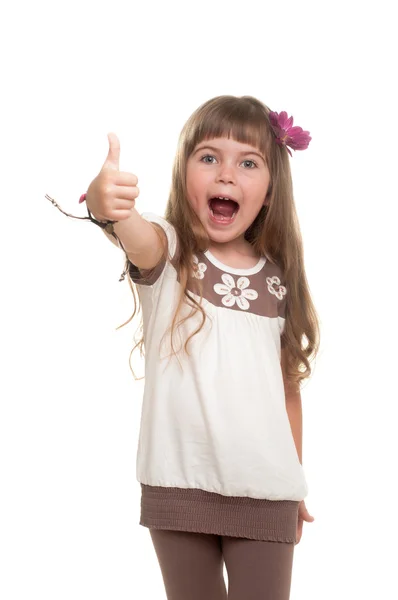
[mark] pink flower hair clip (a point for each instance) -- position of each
(286, 134)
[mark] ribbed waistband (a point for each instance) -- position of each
(200, 511)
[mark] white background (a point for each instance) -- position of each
(70, 409)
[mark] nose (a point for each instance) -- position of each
(226, 173)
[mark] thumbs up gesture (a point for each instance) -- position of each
(111, 195)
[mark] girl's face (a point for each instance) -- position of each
(227, 184)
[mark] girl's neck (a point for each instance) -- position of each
(237, 253)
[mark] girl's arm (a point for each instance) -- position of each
(295, 414)
(143, 242)
(293, 408)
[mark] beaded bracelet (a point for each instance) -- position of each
(107, 225)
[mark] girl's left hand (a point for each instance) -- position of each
(303, 515)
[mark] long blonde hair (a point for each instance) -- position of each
(275, 233)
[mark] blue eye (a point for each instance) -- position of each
(207, 156)
(250, 161)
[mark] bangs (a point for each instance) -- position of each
(241, 119)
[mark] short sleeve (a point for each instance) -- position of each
(151, 276)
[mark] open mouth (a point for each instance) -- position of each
(222, 209)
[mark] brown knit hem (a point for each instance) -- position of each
(199, 511)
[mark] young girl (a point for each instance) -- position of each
(225, 305)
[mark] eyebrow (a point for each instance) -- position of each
(207, 147)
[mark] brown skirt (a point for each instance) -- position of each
(206, 512)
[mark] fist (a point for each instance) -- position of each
(111, 195)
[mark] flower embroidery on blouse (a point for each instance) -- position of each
(235, 293)
(281, 291)
(199, 268)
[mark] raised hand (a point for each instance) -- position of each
(112, 193)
